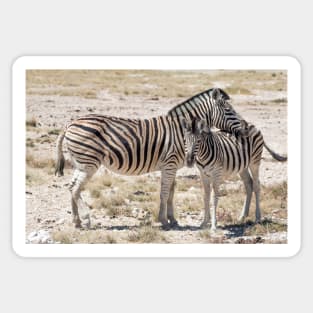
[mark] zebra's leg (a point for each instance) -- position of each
(75, 214)
(170, 206)
(206, 199)
(254, 168)
(248, 183)
(80, 178)
(167, 179)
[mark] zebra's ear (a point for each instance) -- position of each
(183, 122)
(216, 93)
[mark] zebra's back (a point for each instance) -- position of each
(125, 146)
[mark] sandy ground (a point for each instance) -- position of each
(48, 202)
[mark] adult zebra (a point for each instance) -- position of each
(135, 146)
(219, 154)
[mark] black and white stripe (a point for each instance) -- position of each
(218, 155)
(138, 146)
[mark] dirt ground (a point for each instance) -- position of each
(130, 214)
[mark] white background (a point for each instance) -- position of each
(163, 28)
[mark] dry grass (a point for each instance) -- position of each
(118, 197)
(71, 236)
(89, 84)
(146, 234)
(36, 162)
(109, 202)
(37, 168)
(34, 177)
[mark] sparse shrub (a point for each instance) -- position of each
(108, 201)
(146, 234)
(54, 131)
(31, 122)
(30, 143)
(265, 227)
(62, 237)
(280, 100)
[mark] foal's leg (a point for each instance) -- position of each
(216, 187)
(170, 206)
(248, 183)
(206, 199)
(167, 179)
(254, 168)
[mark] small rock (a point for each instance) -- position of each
(60, 221)
(135, 212)
(40, 236)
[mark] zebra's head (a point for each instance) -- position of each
(193, 130)
(224, 116)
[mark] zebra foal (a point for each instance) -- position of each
(138, 146)
(219, 154)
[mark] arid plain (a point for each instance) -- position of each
(125, 208)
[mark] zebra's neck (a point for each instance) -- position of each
(199, 106)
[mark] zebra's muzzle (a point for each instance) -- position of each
(190, 161)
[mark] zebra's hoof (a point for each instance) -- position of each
(78, 224)
(87, 224)
(166, 226)
(174, 224)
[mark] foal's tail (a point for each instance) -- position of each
(60, 161)
(276, 156)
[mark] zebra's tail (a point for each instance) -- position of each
(60, 161)
(276, 156)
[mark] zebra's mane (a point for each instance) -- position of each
(207, 92)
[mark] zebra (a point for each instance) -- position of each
(138, 146)
(219, 154)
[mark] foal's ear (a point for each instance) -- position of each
(183, 122)
(203, 126)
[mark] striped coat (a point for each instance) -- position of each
(135, 146)
(218, 155)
